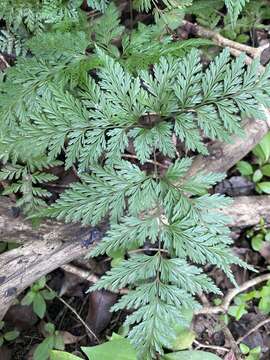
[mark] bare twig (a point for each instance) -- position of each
(255, 328)
(223, 308)
(75, 313)
(212, 347)
(130, 156)
(84, 274)
(220, 40)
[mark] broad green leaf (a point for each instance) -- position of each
(262, 150)
(39, 305)
(267, 236)
(264, 305)
(1, 341)
(237, 311)
(62, 355)
(42, 352)
(119, 349)
(264, 187)
(266, 170)
(2, 324)
(183, 340)
(28, 298)
(40, 283)
(257, 176)
(191, 355)
(59, 342)
(117, 256)
(49, 328)
(11, 335)
(244, 168)
(244, 349)
(257, 242)
(48, 295)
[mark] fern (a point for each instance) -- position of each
(26, 18)
(147, 44)
(146, 5)
(79, 98)
(234, 8)
(26, 178)
(99, 5)
(95, 124)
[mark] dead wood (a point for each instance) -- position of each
(223, 156)
(43, 250)
(248, 210)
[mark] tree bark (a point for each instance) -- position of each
(42, 250)
(54, 244)
(223, 156)
(248, 210)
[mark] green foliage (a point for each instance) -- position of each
(146, 5)
(53, 340)
(62, 355)
(259, 170)
(116, 348)
(146, 45)
(7, 336)
(26, 18)
(258, 236)
(121, 349)
(97, 120)
(85, 96)
(234, 8)
(37, 295)
(191, 355)
(241, 302)
(250, 354)
(26, 178)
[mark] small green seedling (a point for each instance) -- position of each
(7, 336)
(37, 295)
(259, 172)
(250, 354)
(261, 296)
(258, 237)
(53, 340)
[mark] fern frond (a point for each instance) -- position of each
(234, 8)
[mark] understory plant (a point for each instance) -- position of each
(129, 133)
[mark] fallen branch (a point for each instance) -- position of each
(76, 314)
(251, 331)
(223, 156)
(249, 210)
(223, 308)
(220, 40)
(43, 250)
(212, 347)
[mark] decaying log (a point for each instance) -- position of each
(55, 244)
(44, 250)
(15, 228)
(223, 156)
(248, 210)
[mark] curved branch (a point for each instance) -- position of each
(223, 308)
(220, 40)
